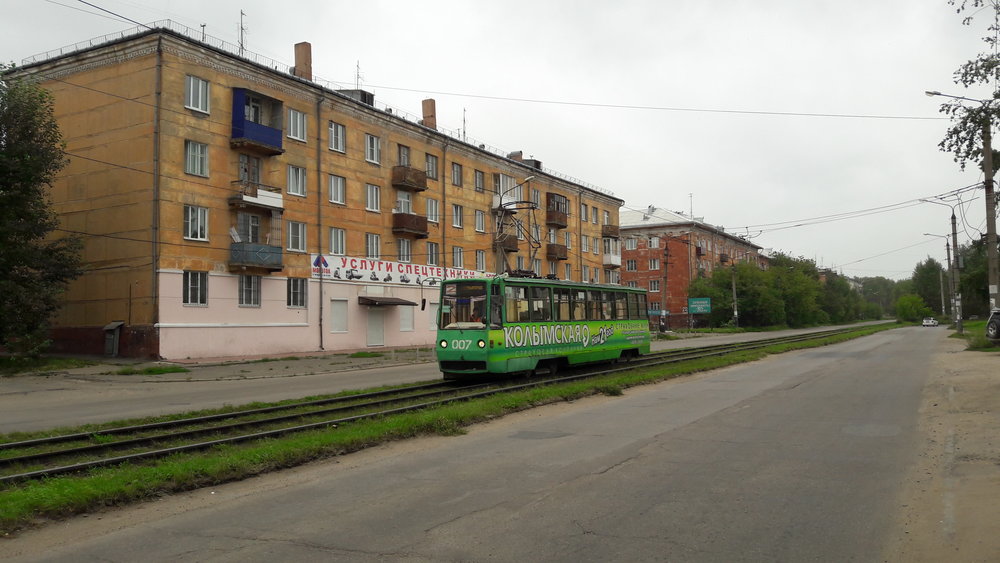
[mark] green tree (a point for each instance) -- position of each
(35, 266)
(927, 277)
(972, 283)
(911, 308)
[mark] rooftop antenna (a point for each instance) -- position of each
(463, 124)
(691, 204)
(357, 76)
(243, 32)
(202, 33)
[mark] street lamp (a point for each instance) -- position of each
(956, 313)
(991, 225)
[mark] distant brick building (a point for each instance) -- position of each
(664, 251)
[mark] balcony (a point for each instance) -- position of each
(253, 137)
(506, 242)
(253, 255)
(556, 252)
(610, 231)
(557, 219)
(612, 261)
(256, 194)
(410, 179)
(409, 225)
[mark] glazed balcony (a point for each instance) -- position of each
(409, 225)
(410, 179)
(612, 261)
(610, 231)
(254, 255)
(256, 194)
(556, 252)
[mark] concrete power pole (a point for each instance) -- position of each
(991, 216)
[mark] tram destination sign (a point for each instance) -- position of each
(699, 305)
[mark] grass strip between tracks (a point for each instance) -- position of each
(31, 503)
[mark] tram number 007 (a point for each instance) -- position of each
(461, 344)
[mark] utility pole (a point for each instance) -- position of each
(956, 291)
(991, 213)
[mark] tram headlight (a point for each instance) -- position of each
(482, 343)
(444, 343)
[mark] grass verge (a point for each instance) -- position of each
(151, 370)
(34, 502)
(13, 365)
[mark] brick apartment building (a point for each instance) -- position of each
(232, 206)
(663, 251)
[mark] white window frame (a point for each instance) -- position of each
(456, 215)
(457, 257)
(373, 149)
(433, 254)
(195, 222)
(404, 202)
(195, 286)
(338, 137)
(569, 272)
(593, 215)
(339, 315)
(197, 94)
(569, 240)
(431, 166)
(296, 236)
(654, 264)
(433, 211)
(373, 198)
(405, 250)
(338, 241)
(584, 243)
(373, 246)
(196, 158)
(296, 291)
(296, 180)
(480, 180)
(249, 291)
(595, 245)
(654, 285)
(456, 174)
(631, 243)
(631, 265)
(653, 242)
(337, 189)
(480, 221)
(481, 260)
(296, 125)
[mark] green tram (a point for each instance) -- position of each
(512, 324)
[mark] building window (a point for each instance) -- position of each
(196, 158)
(338, 315)
(373, 245)
(654, 242)
(569, 272)
(654, 285)
(595, 246)
(433, 211)
(519, 264)
(404, 202)
(583, 212)
(456, 215)
(406, 319)
(456, 174)
(433, 254)
(249, 291)
(593, 215)
(296, 236)
(297, 292)
(338, 241)
(536, 232)
(432, 167)
(481, 260)
(585, 243)
(607, 218)
(373, 198)
(536, 266)
(631, 266)
(296, 125)
(654, 263)
(373, 149)
(631, 243)
(536, 197)
(403, 155)
(569, 240)
(584, 273)
(195, 222)
(553, 267)
(196, 94)
(296, 180)
(405, 249)
(480, 221)
(480, 180)
(457, 257)
(632, 284)
(195, 288)
(338, 189)
(338, 137)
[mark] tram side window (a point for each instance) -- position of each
(594, 305)
(642, 306)
(563, 304)
(633, 305)
(579, 312)
(608, 306)
(541, 304)
(496, 307)
(517, 304)
(621, 306)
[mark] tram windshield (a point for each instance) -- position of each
(463, 305)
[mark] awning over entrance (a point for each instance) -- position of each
(383, 300)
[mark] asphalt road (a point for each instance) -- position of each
(795, 457)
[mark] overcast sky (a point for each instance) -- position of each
(677, 104)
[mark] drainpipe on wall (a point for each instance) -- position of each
(155, 286)
(319, 210)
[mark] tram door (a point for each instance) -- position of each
(376, 327)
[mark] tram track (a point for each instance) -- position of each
(57, 455)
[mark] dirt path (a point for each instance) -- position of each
(950, 505)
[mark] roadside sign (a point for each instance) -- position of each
(697, 305)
